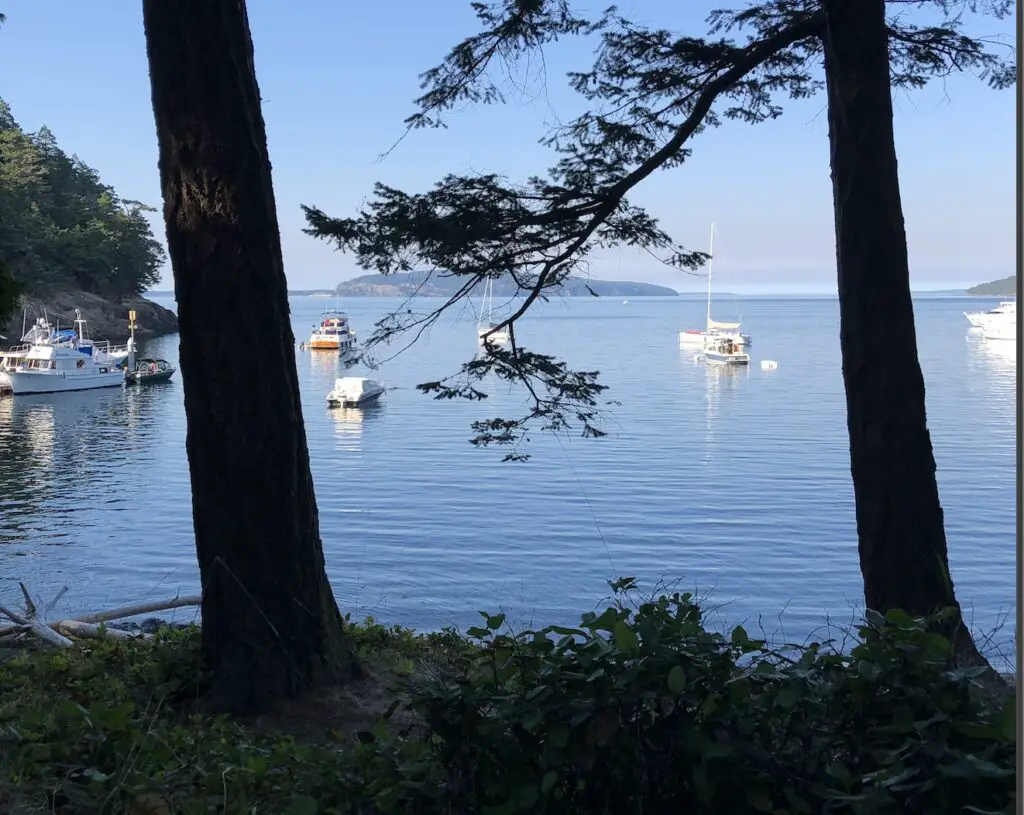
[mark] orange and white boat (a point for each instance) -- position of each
(333, 333)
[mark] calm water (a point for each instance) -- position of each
(733, 483)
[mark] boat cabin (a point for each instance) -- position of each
(9, 360)
(333, 322)
(59, 358)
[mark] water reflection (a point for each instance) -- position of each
(62, 447)
(49, 440)
(722, 381)
(26, 434)
(349, 422)
(323, 362)
(999, 356)
(994, 362)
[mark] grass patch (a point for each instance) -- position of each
(639, 709)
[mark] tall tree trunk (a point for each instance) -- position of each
(270, 625)
(901, 535)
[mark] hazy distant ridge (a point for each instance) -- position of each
(403, 285)
(1006, 287)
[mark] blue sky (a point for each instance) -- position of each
(339, 78)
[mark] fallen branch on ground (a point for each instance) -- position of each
(140, 608)
(74, 628)
(29, 622)
(87, 626)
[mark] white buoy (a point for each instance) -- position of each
(769, 365)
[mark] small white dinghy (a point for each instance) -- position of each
(354, 391)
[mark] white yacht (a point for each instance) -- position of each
(999, 323)
(713, 330)
(68, 360)
(333, 333)
(354, 391)
(9, 360)
(14, 356)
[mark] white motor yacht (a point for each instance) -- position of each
(333, 333)
(999, 323)
(66, 360)
(354, 391)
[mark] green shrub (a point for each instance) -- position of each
(640, 709)
(647, 711)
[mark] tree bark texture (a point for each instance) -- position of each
(270, 624)
(900, 527)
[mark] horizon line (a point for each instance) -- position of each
(819, 292)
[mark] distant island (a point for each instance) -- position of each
(435, 285)
(68, 241)
(1007, 287)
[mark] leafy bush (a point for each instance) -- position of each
(639, 709)
(647, 711)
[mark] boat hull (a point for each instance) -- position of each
(497, 338)
(151, 379)
(691, 339)
(718, 358)
(28, 382)
(362, 401)
(346, 352)
(697, 339)
(999, 331)
(994, 326)
(321, 344)
(998, 324)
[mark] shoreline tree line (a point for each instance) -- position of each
(62, 229)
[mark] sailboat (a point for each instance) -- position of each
(715, 332)
(485, 322)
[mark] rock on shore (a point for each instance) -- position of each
(105, 319)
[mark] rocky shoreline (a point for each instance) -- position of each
(105, 319)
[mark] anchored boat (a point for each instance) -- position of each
(333, 333)
(67, 360)
(355, 391)
(999, 323)
(485, 327)
(713, 329)
(150, 371)
(725, 350)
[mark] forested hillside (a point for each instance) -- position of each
(61, 228)
(424, 284)
(1005, 287)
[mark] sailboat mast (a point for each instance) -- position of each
(488, 297)
(711, 260)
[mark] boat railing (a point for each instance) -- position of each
(105, 347)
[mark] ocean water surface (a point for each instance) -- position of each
(733, 484)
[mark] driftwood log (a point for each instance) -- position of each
(64, 633)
